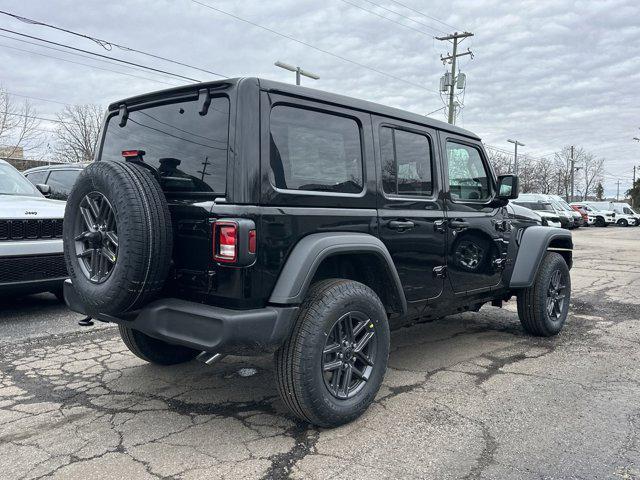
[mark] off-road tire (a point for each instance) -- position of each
(153, 350)
(532, 301)
(145, 237)
(298, 363)
(623, 222)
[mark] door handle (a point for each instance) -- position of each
(401, 224)
(439, 226)
(458, 224)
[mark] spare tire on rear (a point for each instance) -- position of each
(118, 237)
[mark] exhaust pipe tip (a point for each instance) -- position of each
(209, 358)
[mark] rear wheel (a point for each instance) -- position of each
(623, 222)
(330, 369)
(153, 350)
(543, 307)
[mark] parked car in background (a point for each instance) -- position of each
(588, 219)
(60, 178)
(602, 217)
(578, 220)
(566, 219)
(543, 208)
(31, 258)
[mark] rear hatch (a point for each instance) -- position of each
(184, 135)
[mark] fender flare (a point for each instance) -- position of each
(534, 244)
(303, 262)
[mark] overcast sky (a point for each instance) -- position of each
(548, 73)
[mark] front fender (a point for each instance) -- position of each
(534, 244)
(308, 254)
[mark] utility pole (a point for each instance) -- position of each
(515, 154)
(618, 192)
(455, 37)
(573, 168)
(298, 71)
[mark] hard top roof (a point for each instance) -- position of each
(290, 89)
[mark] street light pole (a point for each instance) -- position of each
(298, 71)
(515, 154)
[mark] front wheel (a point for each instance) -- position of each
(600, 222)
(543, 307)
(330, 369)
(623, 222)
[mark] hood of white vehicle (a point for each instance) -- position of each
(17, 206)
(544, 213)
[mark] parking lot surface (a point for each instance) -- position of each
(465, 397)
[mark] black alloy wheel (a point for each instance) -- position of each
(96, 237)
(556, 295)
(349, 355)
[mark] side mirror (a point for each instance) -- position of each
(44, 189)
(507, 187)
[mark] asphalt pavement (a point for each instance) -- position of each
(470, 396)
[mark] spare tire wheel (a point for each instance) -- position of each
(117, 237)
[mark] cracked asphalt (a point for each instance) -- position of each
(468, 397)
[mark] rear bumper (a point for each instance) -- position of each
(204, 327)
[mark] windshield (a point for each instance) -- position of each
(13, 183)
(188, 149)
(539, 206)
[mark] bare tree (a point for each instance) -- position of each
(500, 161)
(590, 174)
(78, 132)
(19, 127)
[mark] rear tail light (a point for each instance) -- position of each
(252, 241)
(225, 241)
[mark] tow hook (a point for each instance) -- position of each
(209, 358)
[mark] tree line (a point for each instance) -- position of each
(552, 175)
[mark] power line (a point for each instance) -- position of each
(424, 14)
(387, 18)
(85, 64)
(109, 45)
(165, 72)
(306, 44)
(72, 53)
(405, 16)
(36, 117)
(35, 98)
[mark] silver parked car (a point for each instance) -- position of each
(31, 258)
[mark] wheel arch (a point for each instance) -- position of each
(355, 256)
(535, 242)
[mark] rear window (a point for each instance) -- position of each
(315, 151)
(188, 149)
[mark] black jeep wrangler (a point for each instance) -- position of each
(247, 216)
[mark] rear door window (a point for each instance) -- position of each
(188, 149)
(315, 151)
(61, 182)
(406, 162)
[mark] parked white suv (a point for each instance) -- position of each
(31, 258)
